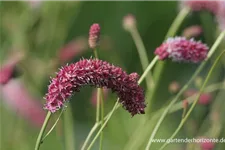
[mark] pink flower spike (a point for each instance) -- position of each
(97, 73)
(180, 49)
(18, 99)
(94, 35)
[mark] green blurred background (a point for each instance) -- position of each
(39, 30)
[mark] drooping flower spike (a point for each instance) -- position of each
(97, 73)
(182, 50)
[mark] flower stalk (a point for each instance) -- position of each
(215, 45)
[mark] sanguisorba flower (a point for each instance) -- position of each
(182, 50)
(97, 73)
(94, 35)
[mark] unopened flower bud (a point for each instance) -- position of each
(94, 35)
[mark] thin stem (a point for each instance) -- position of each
(104, 124)
(89, 135)
(68, 129)
(138, 133)
(150, 66)
(190, 99)
(195, 102)
(53, 125)
(102, 119)
(98, 105)
(215, 45)
(177, 22)
(161, 65)
(39, 139)
(116, 106)
(99, 98)
(142, 55)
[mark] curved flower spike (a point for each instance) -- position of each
(97, 73)
(182, 50)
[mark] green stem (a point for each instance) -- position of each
(89, 135)
(53, 125)
(215, 45)
(195, 102)
(68, 129)
(39, 139)
(150, 66)
(177, 22)
(102, 127)
(142, 55)
(102, 118)
(161, 65)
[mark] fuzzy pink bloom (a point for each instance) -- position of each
(174, 87)
(16, 96)
(94, 35)
(192, 31)
(7, 69)
(206, 144)
(204, 99)
(210, 6)
(182, 50)
(72, 49)
(97, 73)
(129, 22)
(94, 96)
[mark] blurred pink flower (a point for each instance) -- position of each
(19, 100)
(192, 31)
(202, 5)
(174, 87)
(204, 99)
(206, 143)
(7, 69)
(182, 50)
(94, 96)
(221, 16)
(72, 49)
(94, 35)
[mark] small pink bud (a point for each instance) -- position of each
(204, 99)
(129, 22)
(185, 104)
(206, 143)
(192, 31)
(174, 87)
(94, 35)
(182, 50)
